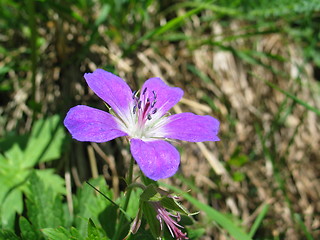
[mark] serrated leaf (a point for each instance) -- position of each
(45, 141)
(43, 206)
(93, 232)
(27, 230)
(56, 233)
(75, 233)
(89, 204)
(62, 233)
(54, 181)
(12, 204)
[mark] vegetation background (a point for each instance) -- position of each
(254, 65)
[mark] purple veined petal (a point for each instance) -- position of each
(191, 127)
(92, 125)
(156, 159)
(111, 88)
(163, 96)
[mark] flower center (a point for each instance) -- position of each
(143, 120)
(143, 108)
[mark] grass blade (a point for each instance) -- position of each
(294, 98)
(258, 220)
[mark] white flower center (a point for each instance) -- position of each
(143, 119)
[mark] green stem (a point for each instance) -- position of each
(121, 224)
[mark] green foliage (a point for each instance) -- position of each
(89, 204)
(19, 155)
(27, 230)
(44, 206)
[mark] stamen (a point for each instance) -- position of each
(144, 91)
(139, 104)
(134, 109)
(134, 94)
(153, 103)
(154, 110)
(149, 116)
(154, 94)
(148, 100)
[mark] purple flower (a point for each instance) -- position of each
(165, 217)
(143, 119)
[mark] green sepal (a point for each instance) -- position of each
(173, 204)
(151, 217)
(151, 194)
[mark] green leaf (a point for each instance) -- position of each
(56, 233)
(150, 194)
(151, 216)
(45, 141)
(27, 230)
(213, 215)
(196, 233)
(8, 235)
(173, 204)
(90, 204)
(133, 204)
(44, 207)
(12, 204)
(54, 181)
(93, 232)
(61, 233)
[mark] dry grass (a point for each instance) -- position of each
(279, 138)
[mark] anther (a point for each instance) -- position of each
(134, 109)
(148, 100)
(154, 110)
(139, 104)
(153, 103)
(134, 94)
(144, 91)
(149, 116)
(154, 94)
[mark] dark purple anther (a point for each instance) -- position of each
(139, 104)
(148, 100)
(153, 103)
(154, 94)
(154, 110)
(149, 117)
(144, 91)
(134, 94)
(134, 109)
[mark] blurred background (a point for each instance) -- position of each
(254, 65)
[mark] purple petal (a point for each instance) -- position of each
(92, 125)
(157, 91)
(111, 88)
(156, 159)
(191, 127)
